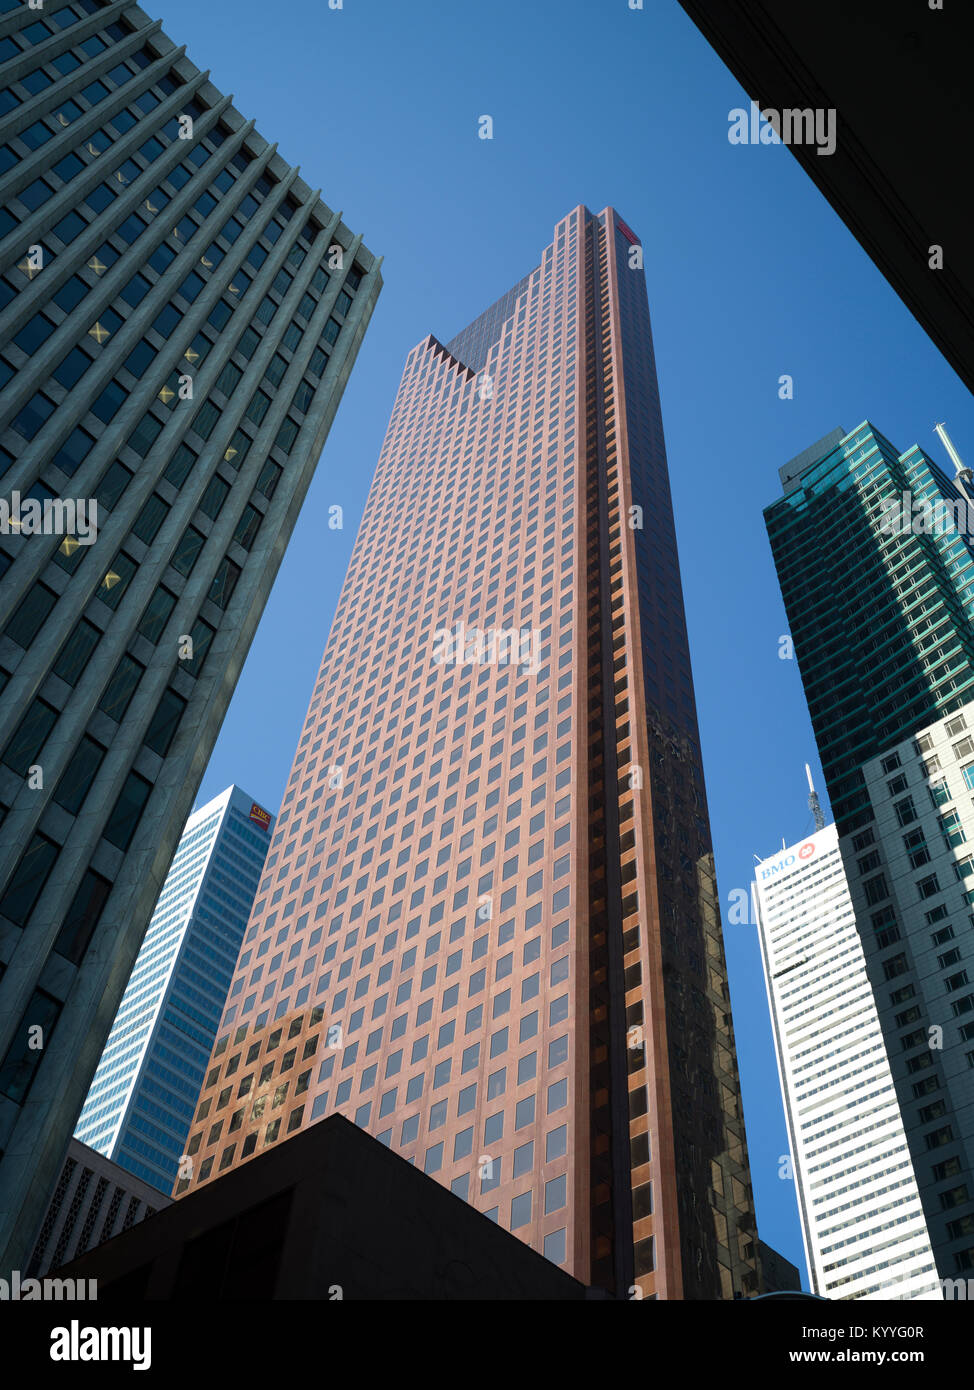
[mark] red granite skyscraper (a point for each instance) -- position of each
(488, 929)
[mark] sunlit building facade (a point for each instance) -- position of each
(862, 1221)
(142, 1097)
(488, 929)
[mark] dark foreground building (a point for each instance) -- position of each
(893, 175)
(488, 928)
(331, 1215)
(179, 314)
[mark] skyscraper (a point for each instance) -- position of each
(861, 1218)
(488, 927)
(179, 314)
(914, 885)
(143, 1094)
(878, 582)
(880, 612)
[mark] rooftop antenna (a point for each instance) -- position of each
(813, 801)
(962, 475)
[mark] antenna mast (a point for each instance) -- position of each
(813, 801)
(962, 475)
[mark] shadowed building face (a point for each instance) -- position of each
(179, 313)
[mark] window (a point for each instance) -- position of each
(127, 811)
(23, 1056)
(214, 496)
(521, 1211)
(117, 579)
(76, 652)
(150, 518)
(201, 637)
(927, 887)
(120, 689)
(555, 1194)
(556, 1143)
(875, 889)
(187, 551)
(82, 916)
(523, 1159)
(555, 1246)
(22, 751)
(247, 527)
(224, 582)
(156, 614)
(30, 617)
(916, 848)
(79, 774)
(163, 724)
(27, 880)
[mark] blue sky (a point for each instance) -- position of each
(750, 275)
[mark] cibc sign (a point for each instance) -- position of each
(771, 867)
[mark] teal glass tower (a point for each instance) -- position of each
(880, 613)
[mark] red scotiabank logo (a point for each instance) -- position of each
(627, 232)
(260, 816)
(806, 851)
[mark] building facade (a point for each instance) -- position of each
(142, 1097)
(914, 883)
(862, 1221)
(93, 1201)
(874, 554)
(880, 612)
(179, 314)
(488, 929)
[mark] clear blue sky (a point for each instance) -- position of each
(750, 274)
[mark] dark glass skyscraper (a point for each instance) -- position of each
(488, 927)
(880, 613)
(179, 314)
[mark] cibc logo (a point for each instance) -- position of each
(787, 860)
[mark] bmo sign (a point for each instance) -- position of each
(787, 861)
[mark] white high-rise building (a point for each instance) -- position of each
(143, 1094)
(862, 1222)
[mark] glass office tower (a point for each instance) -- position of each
(143, 1095)
(179, 314)
(880, 611)
(878, 582)
(488, 929)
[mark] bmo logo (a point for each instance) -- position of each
(787, 860)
